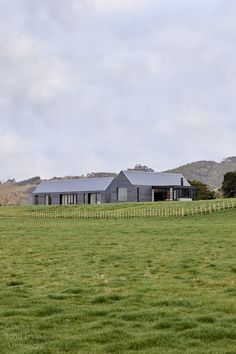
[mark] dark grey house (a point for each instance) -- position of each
(128, 186)
(138, 186)
(73, 191)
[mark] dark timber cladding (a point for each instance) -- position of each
(138, 186)
(73, 191)
(128, 186)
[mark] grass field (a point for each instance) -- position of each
(119, 286)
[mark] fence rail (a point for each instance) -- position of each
(121, 213)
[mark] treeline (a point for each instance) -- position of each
(227, 190)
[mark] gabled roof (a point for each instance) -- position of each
(140, 178)
(74, 185)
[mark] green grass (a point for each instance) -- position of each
(118, 286)
(118, 210)
(114, 206)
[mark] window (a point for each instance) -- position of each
(137, 194)
(98, 198)
(122, 194)
(68, 199)
(92, 198)
(47, 199)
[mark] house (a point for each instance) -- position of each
(73, 191)
(139, 186)
(128, 186)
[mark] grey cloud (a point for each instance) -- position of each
(103, 84)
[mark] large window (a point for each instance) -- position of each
(182, 193)
(68, 199)
(122, 194)
(92, 198)
(48, 199)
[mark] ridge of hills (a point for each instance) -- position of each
(209, 172)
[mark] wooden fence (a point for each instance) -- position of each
(121, 213)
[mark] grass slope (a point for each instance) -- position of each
(118, 286)
(6, 210)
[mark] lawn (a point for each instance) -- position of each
(159, 285)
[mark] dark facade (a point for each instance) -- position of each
(73, 191)
(143, 190)
(135, 193)
(128, 186)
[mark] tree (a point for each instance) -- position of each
(140, 167)
(229, 185)
(203, 190)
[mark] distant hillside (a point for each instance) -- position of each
(209, 172)
(12, 192)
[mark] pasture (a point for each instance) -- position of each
(135, 285)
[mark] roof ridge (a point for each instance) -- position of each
(163, 173)
(76, 179)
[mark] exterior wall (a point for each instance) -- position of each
(105, 197)
(121, 181)
(145, 193)
(80, 198)
(41, 199)
(55, 198)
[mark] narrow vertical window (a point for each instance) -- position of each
(47, 199)
(137, 194)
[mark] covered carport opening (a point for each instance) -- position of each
(160, 194)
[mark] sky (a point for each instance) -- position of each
(102, 85)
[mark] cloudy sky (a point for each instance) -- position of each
(100, 85)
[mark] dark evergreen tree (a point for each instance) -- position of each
(229, 185)
(203, 190)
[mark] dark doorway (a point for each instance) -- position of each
(159, 196)
(36, 200)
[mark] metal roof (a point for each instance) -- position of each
(155, 178)
(74, 185)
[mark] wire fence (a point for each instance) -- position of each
(120, 213)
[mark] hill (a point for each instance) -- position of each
(12, 192)
(209, 172)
